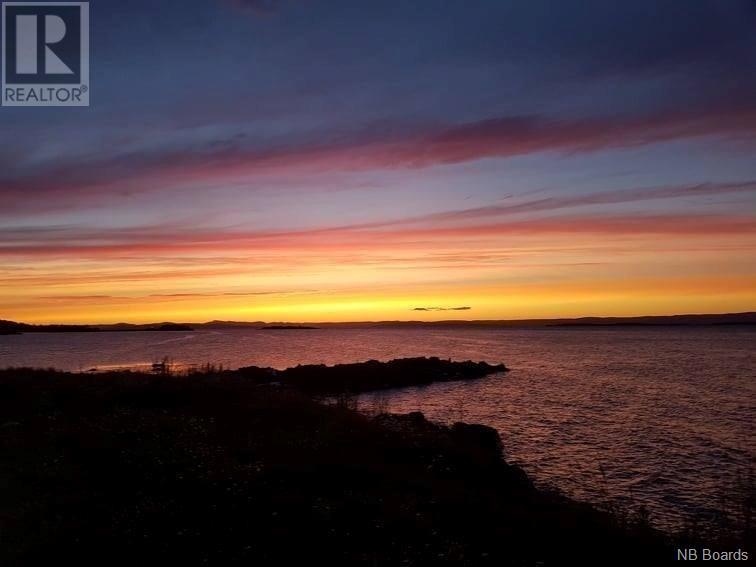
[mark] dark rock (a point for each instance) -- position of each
(375, 375)
(482, 436)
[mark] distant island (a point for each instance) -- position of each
(286, 328)
(723, 319)
(13, 328)
(172, 327)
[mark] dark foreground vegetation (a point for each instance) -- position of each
(218, 469)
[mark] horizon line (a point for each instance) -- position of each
(403, 321)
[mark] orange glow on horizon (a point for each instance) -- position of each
(546, 268)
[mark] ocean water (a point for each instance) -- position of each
(655, 417)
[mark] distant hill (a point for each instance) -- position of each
(748, 318)
(13, 328)
(164, 326)
(675, 320)
(172, 327)
(10, 328)
(724, 319)
(286, 328)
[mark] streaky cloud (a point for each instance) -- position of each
(358, 238)
(615, 197)
(77, 185)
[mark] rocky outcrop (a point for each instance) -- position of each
(374, 375)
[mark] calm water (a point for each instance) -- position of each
(667, 413)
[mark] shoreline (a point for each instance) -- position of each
(324, 388)
(318, 379)
(683, 320)
(260, 457)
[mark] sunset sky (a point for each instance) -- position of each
(350, 160)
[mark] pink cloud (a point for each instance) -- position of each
(343, 239)
(78, 184)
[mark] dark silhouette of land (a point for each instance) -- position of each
(371, 375)
(233, 468)
(749, 318)
(172, 327)
(13, 328)
(287, 328)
